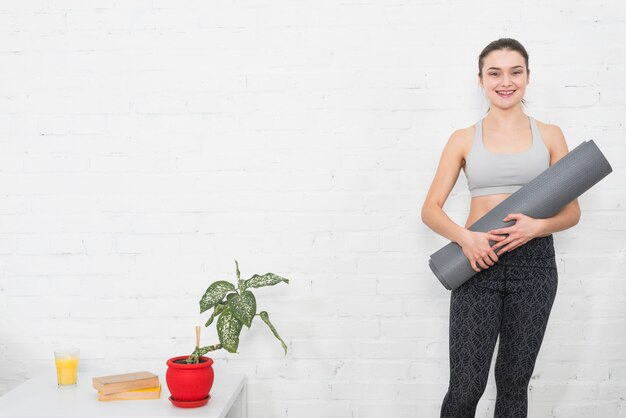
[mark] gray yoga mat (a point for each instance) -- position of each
(542, 197)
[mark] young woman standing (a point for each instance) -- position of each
(512, 292)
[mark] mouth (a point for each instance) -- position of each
(505, 93)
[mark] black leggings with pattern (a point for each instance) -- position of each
(512, 299)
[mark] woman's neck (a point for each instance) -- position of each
(506, 118)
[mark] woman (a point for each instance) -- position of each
(515, 284)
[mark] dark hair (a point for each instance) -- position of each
(500, 44)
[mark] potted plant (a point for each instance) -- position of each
(190, 378)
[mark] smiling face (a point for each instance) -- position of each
(504, 77)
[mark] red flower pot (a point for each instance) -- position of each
(189, 382)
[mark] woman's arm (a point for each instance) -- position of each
(527, 228)
(475, 245)
(446, 176)
(565, 219)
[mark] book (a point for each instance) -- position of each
(148, 393)
(125, 382)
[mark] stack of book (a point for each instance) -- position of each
(128, 386)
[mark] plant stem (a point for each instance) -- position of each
(194, 358)
(209, 348)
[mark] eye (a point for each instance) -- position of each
(493, 74)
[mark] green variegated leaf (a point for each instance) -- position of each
(242, 306)
(268, 279)
(214, 294)
(266, 318)
(216, 311)
(228, 329)
(240, 283)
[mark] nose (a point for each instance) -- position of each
(505, 80)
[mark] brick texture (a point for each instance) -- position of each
(144, 145)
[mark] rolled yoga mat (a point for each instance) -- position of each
(542, 197)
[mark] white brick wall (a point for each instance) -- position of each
(146, 144)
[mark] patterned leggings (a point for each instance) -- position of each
(513, 299)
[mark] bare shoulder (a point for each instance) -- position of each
(554, 139)
(551, 134)
(461, 140)
(465, 134)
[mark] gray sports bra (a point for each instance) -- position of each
(493, 173)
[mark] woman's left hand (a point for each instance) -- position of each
(523, 230)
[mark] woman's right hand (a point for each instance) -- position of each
(477, 249)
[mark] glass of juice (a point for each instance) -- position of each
(67, 367)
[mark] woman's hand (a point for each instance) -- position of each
(523, 230)
(478, 250)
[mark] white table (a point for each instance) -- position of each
(39, 397)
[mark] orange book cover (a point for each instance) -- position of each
(148, 393)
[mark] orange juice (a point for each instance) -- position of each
(67, 368)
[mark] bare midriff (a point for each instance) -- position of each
(480, 205)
